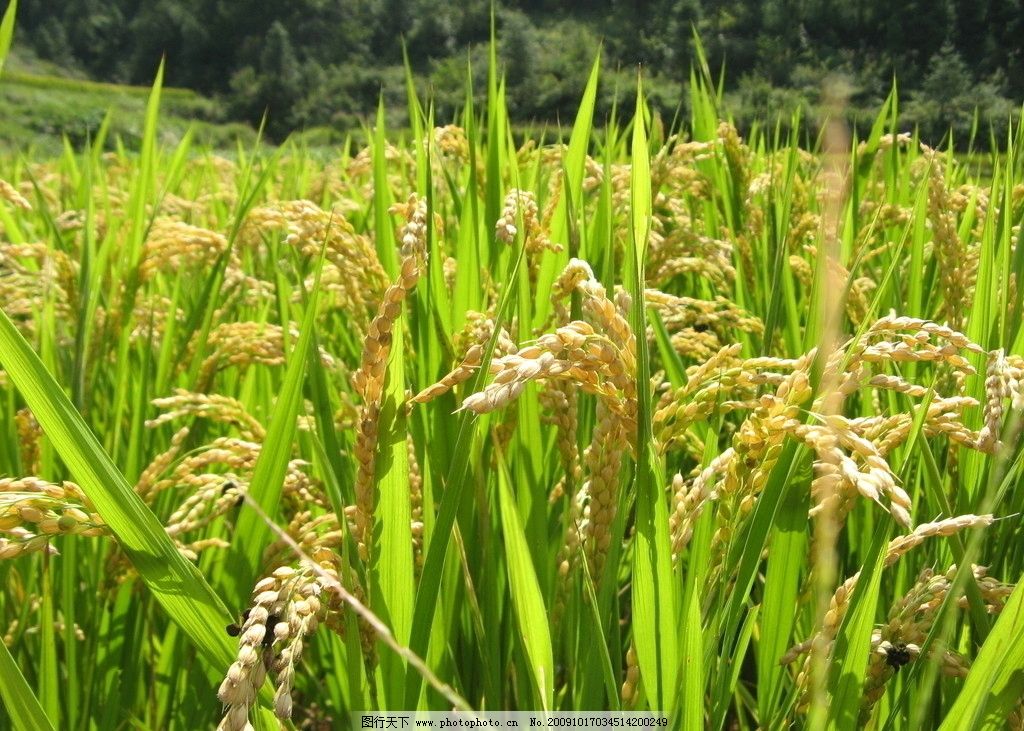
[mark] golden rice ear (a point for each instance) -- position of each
(34, 512)
(11, 195)
(175, 247)
(689, 501)
(368, 380)
(286, 609)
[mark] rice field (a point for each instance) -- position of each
(636, 416)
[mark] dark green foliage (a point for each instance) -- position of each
(950, 96)
(312, 63)
(277, 85)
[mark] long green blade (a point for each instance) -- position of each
(853, 643)
(392, 556)
(527, 600)
(654, 605)
(19, 700)
(251, 532)
(7, 31)
(177, 584)
(995, 684)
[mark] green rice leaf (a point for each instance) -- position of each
(853, 642)
(177, 584)
(20, 702)
(392, 554)
(382, 199)
(7, 31)
(458, 475)
(781, 587)
(573, 167)
(995, 683)
(527, 599)
(252, 532)
(691, 701)
(654, 604)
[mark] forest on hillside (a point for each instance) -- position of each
(324, 62)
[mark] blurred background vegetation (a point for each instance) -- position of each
(319, 66)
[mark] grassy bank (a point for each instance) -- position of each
(43, 109)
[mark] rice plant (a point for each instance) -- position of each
(641, 416)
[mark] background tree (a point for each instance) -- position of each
(324, 62)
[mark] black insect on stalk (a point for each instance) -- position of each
(268, 636)
(896, 656)
(269, 658)
(235, 629)
(227, 487)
